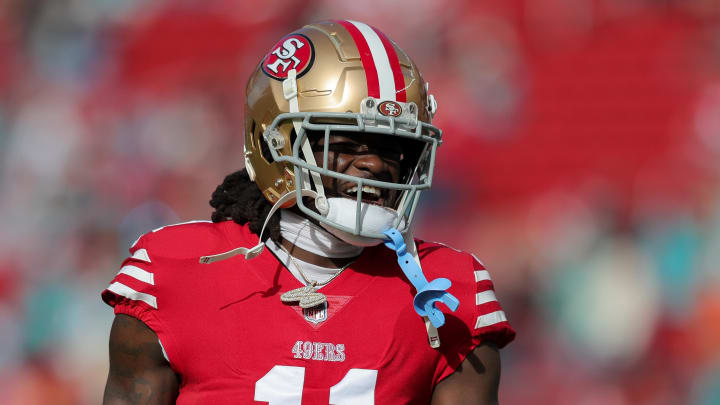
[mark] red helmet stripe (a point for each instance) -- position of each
(371, 75)
(394, 65)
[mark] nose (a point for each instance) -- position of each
(370, 162)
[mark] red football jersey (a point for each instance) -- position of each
(231, 340)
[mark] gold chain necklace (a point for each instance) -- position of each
(308, 295)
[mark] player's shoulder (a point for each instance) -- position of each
(163, 263)
(437, 252)
(441, 260)
(184, 240)
(480, 312)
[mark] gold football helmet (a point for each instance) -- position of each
(327, 77)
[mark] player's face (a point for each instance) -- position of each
(367, 156)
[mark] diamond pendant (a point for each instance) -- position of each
(307, 296)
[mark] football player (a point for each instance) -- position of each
(308, 287)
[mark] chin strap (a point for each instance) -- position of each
(251, 253)
(428, 293)
(290, 92)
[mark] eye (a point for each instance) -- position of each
(391, 153)
(346, 147)
(353, 148)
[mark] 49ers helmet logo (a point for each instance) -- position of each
(390, 108)
(295, 51)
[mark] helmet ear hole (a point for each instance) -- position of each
(264, 148)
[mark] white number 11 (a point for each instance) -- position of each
(283, 385)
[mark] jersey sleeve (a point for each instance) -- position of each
(490, 324)
(134, 291)
(479, 319)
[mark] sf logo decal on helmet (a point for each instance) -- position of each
(292, 52)
(390, 109)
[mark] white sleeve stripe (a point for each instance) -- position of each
(142, 254)
(138, 274)
(386, 80)
(490, 319)
(481, 275)
(485, 297)
(127, 292)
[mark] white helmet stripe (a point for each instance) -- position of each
(386, 80)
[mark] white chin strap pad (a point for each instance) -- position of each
(373, 219)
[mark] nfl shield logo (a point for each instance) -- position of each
(316, 314)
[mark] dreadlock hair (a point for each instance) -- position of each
(239, 199)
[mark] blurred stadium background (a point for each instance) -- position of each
(581, 162)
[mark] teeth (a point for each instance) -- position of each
(365, 189)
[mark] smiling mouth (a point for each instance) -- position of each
(370, 195)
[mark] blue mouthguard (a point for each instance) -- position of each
(427, 293)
